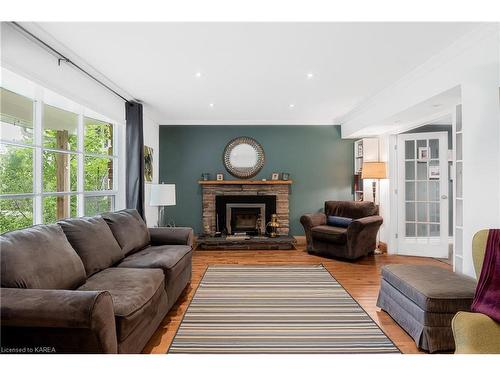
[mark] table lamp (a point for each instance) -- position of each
(162, 195)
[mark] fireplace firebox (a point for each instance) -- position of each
(244, 214)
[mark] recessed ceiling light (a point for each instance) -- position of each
(437, 105)
(310, 75)
(291, 105)
(198, 74)
(211, 105)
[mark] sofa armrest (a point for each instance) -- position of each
(310, 221)
(475, 333)
(172, 236)
(85, 320)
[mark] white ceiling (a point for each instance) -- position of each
(253, 72)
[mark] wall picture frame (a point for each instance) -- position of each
(285, 176)
(148, 164)
(220, 177)
(423, 153)
(434, 172)
(275, 176)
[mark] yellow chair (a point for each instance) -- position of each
(476, 333)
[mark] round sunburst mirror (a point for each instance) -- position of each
(243, 157)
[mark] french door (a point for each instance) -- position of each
(423, 194)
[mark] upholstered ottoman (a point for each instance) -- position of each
(423, 301)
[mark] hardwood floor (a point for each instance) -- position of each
(361, 279)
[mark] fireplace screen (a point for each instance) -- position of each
(245, 218)
(243, 214)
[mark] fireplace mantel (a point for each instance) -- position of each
(246, 182)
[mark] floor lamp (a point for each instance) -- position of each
(375, 171)
(162, 195)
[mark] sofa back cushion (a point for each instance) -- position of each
(129, 230)
(39, 257)
(93, 241)
(350, 209)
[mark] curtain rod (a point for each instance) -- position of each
(62, 57)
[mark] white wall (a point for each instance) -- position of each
(151, 139)
(472, 63)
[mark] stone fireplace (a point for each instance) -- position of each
(234, 206)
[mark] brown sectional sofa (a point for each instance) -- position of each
(90, 285)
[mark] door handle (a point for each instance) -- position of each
(444, 196)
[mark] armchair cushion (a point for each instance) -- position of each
(338, 221)
(355, 210)
(93, 241)
(39, 257)
(329, 233)
(129, 230)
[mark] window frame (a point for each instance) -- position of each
(40, 97)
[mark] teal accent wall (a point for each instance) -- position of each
(320, 164)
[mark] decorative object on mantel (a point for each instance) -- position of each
(163, 195)
(243, 157)
(273, 226)
(205, 176)
(275, 176)
(245, 182)
(220, 176)
(285, 176)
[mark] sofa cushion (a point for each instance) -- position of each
(129, 230)
(172, 259)
(329, 233)
(39, 257)
(432, 288)
(132, 290)
(93, 241)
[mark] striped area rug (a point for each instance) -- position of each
(276, 309)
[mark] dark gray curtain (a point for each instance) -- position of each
(134, 189)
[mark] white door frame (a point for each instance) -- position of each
(440, 248)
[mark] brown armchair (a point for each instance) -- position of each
(357, 240)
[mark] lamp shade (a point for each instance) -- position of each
(162, 195)
(374, 170)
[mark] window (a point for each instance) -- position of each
(16, 161)
(53, 166)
